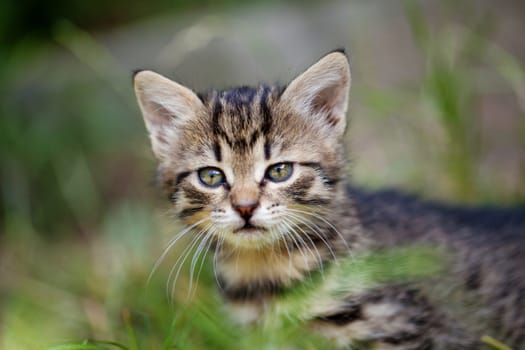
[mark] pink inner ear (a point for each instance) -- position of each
(158, 115)
(325, 102)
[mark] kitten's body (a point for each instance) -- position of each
(260, 172)
(483, 291)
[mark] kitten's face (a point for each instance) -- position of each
(250, 166)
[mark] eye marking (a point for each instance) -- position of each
(211, 177)
(279, 172)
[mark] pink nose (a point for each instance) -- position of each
(246, 210)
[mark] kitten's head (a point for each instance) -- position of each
(253, 166)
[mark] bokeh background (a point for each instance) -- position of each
(437, 108)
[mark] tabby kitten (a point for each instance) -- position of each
(259, 173)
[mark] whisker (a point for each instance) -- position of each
(182, 258)
(170, 245)
(317, 216)
(288, 250)
(314, 247)
(206, 249)
(298, 243)
(196, 255)
(317, 232)
(273, 240)
(187, 248)
(170, 283)
(217, 249)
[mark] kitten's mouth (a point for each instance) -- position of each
(248, 228)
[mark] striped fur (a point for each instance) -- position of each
(269, 235)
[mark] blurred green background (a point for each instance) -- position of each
(437, 108)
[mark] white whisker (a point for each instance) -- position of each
(317, 231)
(180, 261)
(317, 216)
(298, 242)
(217, 249)
(200, 249)
(206, 249)
(287, 249)
(170, 245)
(314, 248)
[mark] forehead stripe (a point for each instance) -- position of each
(266, 122)
(217, 151)
(267, 150)
(217, 111)
(265, 111)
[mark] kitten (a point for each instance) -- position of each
(260, 172)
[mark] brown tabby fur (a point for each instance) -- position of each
(296, 226)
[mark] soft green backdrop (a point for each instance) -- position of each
(437, 108)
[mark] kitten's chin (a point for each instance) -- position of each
(251, 233)
(249, 229)
(250, 237)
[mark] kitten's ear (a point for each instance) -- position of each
(321, 92)
(165, 106)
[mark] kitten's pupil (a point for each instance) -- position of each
(211, 177)
(279, 172)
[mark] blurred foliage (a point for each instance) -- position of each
(77, 237)
(37, 19)
(448, 88)
(442, 111)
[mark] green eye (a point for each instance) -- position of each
(211, 177)
(279, 172)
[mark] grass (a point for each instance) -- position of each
(78, 237)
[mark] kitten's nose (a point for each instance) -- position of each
(246, 209)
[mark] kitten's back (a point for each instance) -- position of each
(487, 245)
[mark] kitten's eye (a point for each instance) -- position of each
(279, 172)
(211, 177)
